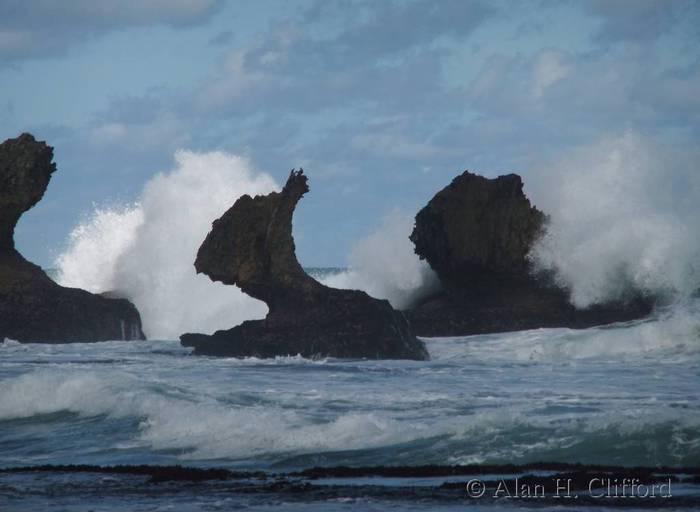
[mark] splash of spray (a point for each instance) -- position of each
(385, 265)
(146, 251)
(623, 217)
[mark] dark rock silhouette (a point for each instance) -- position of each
(33, 308)
(251, 246)
(476, 234)
(477, 228)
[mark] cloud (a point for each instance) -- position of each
(640, 20)
(222, 38)
(386, 144)
(391, 28)
(163, 131)
(365, 95)
(381, 50)
(554, 98)
(42, 28)
(549, 68)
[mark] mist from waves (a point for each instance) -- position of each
(145, 251)
(623, 217)
(622, 394)
(385, 265)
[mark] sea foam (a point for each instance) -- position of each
(625, 392)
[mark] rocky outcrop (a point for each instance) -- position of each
(33, 308)
(477, 228)
(476, 234)
(251, 246)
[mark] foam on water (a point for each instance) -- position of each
(625, 394)
(205, 428)
(673, 332)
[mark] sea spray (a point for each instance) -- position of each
(623, 218)
(385, 265)
(146, 251)
(95, 246)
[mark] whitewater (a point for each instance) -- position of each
(624, 394)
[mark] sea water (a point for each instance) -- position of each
(625, 394)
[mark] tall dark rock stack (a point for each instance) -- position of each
(476, 234)
(478, 229)
(251, 246)
(33, 308)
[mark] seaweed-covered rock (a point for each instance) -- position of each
(251, 246)
(33, 308)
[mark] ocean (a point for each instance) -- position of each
(622, 395)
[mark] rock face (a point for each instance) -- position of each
(251, 246)
(476, 234)
(33, 308)
(477, 228)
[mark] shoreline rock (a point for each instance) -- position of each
(476, 234)
(33, 308)
(251, 246)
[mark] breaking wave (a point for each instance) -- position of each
(146, 251)
(622, 394)
(623, 217)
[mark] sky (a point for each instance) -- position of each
(381, 102)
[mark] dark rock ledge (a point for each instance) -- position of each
(33, 308)
(573, 486)
(251, 246)
(476, 234)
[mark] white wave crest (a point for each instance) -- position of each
(199, 426)
(205, 428)
(672, 335)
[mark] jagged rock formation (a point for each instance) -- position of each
(33, 308)
(476, 228)
(476, 234)
(251, 246)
